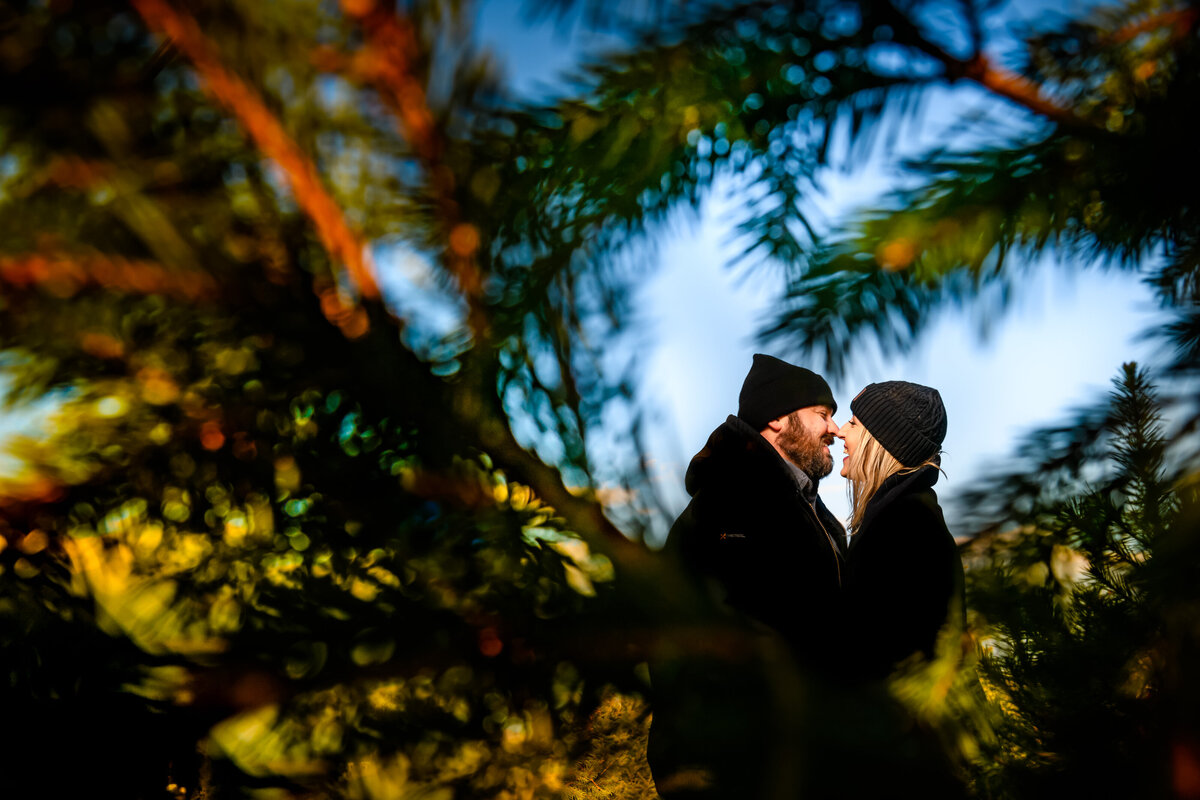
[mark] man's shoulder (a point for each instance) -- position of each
(737, 463)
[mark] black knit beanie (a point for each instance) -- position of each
(908, 419)
(774, 388)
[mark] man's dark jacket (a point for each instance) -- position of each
(903, 579)
(757, 530)
(769, 557)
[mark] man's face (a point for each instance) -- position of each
(805, 440)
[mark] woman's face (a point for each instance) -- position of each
(850, 434)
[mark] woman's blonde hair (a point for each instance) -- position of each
(872, 466)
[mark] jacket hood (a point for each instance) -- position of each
(736, 454)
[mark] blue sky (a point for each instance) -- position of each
(1059, 348)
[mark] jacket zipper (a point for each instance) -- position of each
(836, 558)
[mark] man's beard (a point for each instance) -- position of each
(806, 451)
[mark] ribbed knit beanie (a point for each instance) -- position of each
(908, 419)
(774, 388)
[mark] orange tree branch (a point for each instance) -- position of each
(387, 62)
(1020, 90)
(979, 68)
(64, 274)
(1010, 85)
(268, 134)
(1182, 21)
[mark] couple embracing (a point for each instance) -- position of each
(842, 611)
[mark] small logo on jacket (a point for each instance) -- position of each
(725, 535)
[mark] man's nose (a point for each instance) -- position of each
(831, 427)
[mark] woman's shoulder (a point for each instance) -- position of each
(918, 504)
(908, 517)
(918, 500)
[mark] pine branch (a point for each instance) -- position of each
(1180, 22)
(585, 515)
(1011, 86)
(387, 61)
(65, 274)
(980, 69)
(268, 134)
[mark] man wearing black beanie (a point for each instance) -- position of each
(768, 555)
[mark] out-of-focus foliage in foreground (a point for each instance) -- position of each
(263, 544)
(292, 534)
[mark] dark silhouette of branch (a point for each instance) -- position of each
(980, 69)
(1011, 86)
(387, 61)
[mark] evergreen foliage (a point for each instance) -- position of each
(301, 525)
(1077, 607)
(261, 535)
(1112, 95)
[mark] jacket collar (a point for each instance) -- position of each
(806, 485)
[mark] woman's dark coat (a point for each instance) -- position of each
(904, 577)
(767, 555)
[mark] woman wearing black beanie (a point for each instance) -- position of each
(904, 577)
(902, 584)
